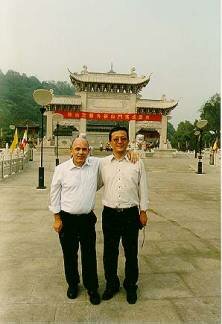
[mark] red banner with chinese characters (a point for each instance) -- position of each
(109, 116)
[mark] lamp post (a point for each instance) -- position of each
(42, 97)
(200, 125)
(196, 133)
(212, 150)
(57, 117)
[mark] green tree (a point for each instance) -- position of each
(184, 138)
(16, 100)
(211, 112)
(59, 87)
(170, 131)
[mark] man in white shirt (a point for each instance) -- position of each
(72, 200)
(125, 201)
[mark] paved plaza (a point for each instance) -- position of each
(179, 263)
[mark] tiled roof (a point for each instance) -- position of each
(140, 103)
(114, 78)
(149, 103)
(25, 123)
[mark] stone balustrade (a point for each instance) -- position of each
(11, 164)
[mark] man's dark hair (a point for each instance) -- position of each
(116, 129)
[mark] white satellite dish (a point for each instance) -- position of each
(42, 97)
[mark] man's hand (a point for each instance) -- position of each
(143, 218)
(133, 156)
(57, 223)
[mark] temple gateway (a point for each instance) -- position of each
(103, 100)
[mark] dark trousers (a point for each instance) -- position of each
(120, 225)
(79, 229)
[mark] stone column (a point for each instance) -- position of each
(163, 133)
(49, 124)
(132, 130)
(82, 123)
(132, 123)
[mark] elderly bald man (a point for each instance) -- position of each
(72, 200)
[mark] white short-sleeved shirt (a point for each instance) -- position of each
(73, 188)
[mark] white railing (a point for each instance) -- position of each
(11, 164)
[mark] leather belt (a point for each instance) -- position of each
(78, 215)
(119, 210)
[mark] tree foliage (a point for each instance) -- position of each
(184, 138)
(211, 112)
(170, 131)
(16, 101)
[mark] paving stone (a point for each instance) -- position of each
(35, 248)
(51, 288)
(154, 217)
(150, 311)
(202, 246)
(156, 235)
(176, 247)
(214, 305)
(205, 230)
(167, 264)
(198, 310)
(16, 289)
(161, 286)
(144, 266)
(83, 312)
(177, 262)
(26, 312)
(216, 243)
(203, 283)
(208, 262)
(149, 247)
(170, 232)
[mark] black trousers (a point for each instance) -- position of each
(120, 225)
(79, 230)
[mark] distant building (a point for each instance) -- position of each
(102, 100)
(32, 127)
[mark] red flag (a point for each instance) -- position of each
(24, 140)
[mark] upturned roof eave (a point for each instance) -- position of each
(77, 77)
(156, 104)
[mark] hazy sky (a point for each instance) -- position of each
(178, 41)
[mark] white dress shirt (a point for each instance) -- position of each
(125, 183)
(73, 188)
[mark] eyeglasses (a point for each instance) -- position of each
(119, 139)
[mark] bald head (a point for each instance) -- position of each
(79, 140)
(79, 150)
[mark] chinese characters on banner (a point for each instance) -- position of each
(110, 116)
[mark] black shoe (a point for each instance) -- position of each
(109, 293)
(131, 295)
(72, 292)
(94, 297)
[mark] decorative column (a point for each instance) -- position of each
(82, 123)
(132, 123)
(132, 130)
(163, 133)
(49, 124)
